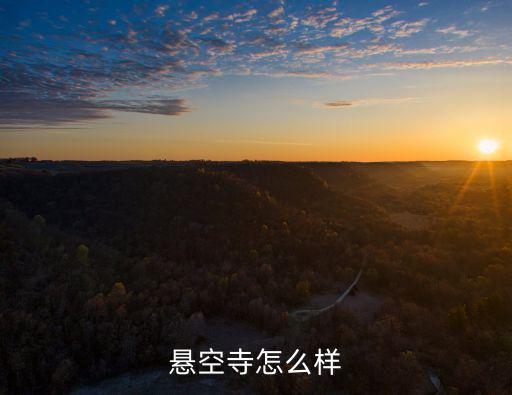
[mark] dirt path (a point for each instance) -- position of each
(306, 314)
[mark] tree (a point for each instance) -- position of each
(63, 375)
(117, 295)
(39, 221)
(82, 254)
(303, 289)
(458, 318)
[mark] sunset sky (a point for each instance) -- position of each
(284, 80)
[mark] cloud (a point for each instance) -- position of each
(27, 110)
(211, 17)
(385, 14)
(275, 13)
(339, 104)
(246, 16)
(150, 106)
(443, 49)
(320, 19)
(435, 64)
(374, 23)
(191, 16)
(161, 10)
(453, 30)
(485, 7)
(86, 55)
(218, 44)
(262, 39)
(43, 95)
(52, 127)
(400, 29)
(336, 104)
(315, 49)
(266, 54)
(242, 17)
(309, 74)
(372, 50)
(348, 26)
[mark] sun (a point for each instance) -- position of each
(488, 146)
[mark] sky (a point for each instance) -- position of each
(339, 80)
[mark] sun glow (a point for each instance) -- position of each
(488, 146)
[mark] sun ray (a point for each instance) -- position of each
(492, 178)
(466, 185)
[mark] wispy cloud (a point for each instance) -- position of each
(314, 49)
(161, 10)
(275, 13)
(374, 23)
(485, 7)
(436, 64)
(453, 30)
(309, 74)
(443, 49)
(400, 29)
(266, 54)
(340, 104)
(27, 110)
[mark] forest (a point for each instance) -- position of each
(104, 265)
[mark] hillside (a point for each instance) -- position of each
(106, 267)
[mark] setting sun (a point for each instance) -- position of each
(488, 146)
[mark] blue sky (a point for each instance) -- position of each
(92, 65)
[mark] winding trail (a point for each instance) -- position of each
(306, 314)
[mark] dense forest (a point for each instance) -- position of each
(102, 266)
